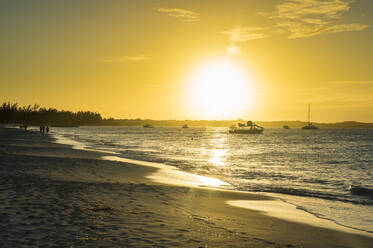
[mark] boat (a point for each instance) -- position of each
(148, 126)
(286, 127)
(309, 126)
(185, 126)
(249, 128)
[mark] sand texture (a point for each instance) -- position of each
(55, 196)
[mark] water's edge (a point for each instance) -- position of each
(171, 175)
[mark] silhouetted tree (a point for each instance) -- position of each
(35, 115)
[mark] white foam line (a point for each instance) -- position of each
(165, 174)
(171, 175)
(283, 210)
(60, 139)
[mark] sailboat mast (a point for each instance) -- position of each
(309, 113)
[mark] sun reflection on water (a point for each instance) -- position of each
(218, 157)
(219, 151)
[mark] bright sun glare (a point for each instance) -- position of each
(220, 90)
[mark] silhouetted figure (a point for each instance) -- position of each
(42, 129)
(25, 127)
(47, 129)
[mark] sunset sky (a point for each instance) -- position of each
(203, 59)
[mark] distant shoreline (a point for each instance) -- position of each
(35, 115)
(228, 123)
(205, 123)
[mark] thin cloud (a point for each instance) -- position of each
(298, 9)
(307, 18)
(301, 30)
(347, 27)
(233, 50)
(242, 34)
(183, 14)
(128, 59)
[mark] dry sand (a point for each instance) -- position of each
(55, 196)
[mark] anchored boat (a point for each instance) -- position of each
(309, 126)
(249, 128)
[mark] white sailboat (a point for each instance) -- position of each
(309, 126)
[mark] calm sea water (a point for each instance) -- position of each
(327, 172)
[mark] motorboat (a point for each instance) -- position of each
(248, 128)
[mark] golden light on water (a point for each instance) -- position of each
(220, 90)
(218, 157)
(218, 153)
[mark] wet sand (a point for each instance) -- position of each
(53, 195)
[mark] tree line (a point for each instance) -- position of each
(37, 115)
(40, 116)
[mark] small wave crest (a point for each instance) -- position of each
(326, 195)
(361, 191)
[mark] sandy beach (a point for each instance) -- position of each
(55, 196)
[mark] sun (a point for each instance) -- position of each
(220, 90)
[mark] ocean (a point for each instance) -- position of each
(326, 172)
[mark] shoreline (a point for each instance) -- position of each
(189, 213)
(170, 175)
